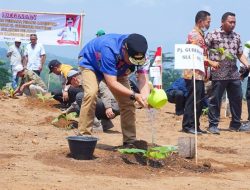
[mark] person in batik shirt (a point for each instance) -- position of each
(225, 47)
(196, 36)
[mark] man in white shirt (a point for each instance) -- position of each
(69, 33)
(15, 55)
(34, 55)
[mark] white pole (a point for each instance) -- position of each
(151, 116)
(227, 114)
(195, 116)
(48, 83)
(81, 35)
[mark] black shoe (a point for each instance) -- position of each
(243, 128)
(179, 113)
(191, 131)
(129, 144)
(202, 131)
(214, 130)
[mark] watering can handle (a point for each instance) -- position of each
(150, 85)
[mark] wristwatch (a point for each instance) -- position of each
(132, 96)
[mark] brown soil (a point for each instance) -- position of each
(35, 155)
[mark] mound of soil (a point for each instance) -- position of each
(32, 103)
(131, 166)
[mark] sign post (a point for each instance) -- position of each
(189, 56)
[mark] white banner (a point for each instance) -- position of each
(189, 56)
(51, 29)
(155, 73)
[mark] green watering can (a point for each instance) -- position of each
(157, 98)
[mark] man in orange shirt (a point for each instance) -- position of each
(196, 36)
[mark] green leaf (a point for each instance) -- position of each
(55, 120)
(229, 57)
(62, 116)
(157, 155)
(205, 111)
(131, 151)
(71, 116)
(213, 50)
(165, 149)
(247, 45)
(221, 50)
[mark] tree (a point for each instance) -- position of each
(4, 74)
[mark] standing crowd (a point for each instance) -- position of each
(222, 47)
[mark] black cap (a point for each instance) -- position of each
(52, 64)
(137, 47)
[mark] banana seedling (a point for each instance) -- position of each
(44, 98)
(224, 54)
(68, 118)
(8, 91)
(205, 111)
(159, 152)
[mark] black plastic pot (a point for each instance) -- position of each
(82, 147)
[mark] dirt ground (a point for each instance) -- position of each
(35, 155)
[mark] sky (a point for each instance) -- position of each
(163, 22)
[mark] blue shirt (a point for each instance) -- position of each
(104, 55)
(179, 84)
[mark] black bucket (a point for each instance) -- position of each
(82, 147)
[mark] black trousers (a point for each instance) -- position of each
(177, 97)
(248, 97)
(38, 72)
(58, 95)
(188, 121)
(234, 93)
(100, 111)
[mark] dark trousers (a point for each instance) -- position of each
(248, 97)
(188, 121)
(234, 93)
(58, 95)
(177, 97)
(37, 72)
(100, 111)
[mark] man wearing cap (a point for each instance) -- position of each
(66, 95)
(69, 33)
(31, 84)
(100, 32)
(111, 58)
(106, 107)
(34, 55)
(15, 55)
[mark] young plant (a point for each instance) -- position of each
(247, 46)
(204, 111)
(8, 91)
(67, 118)
(159, 152)
(224, 54)
(44, 98)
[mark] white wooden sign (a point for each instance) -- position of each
(189, 56)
